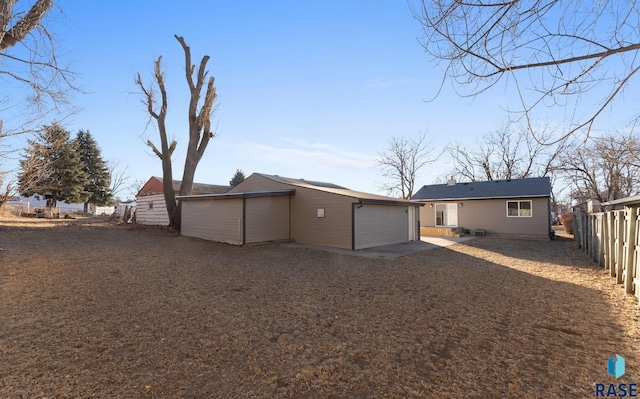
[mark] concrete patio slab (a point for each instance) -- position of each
(394, 250)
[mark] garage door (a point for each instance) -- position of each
(376, 225)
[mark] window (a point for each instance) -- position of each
(517, 209)
(150, 206)
(447, 215)
(320, 212)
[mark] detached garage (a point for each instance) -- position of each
(269, 207)
(239, 218)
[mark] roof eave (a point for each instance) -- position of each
(249, 194)
(482, 198)
(388, 202)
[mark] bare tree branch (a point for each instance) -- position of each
(38, 83)
(605, 168)
(553, 51)
(402, 161)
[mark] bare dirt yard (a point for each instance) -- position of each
(89, 308)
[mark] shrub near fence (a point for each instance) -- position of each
(612, 239)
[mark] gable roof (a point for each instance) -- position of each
(154, 186)
(336, 189)
(515, 188)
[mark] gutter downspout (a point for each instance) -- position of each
(353, 222)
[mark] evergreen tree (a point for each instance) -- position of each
(97, 185)
(51, 167)
(237, 178)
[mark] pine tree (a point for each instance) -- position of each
(97, 187)
(51, 167)
(237, 178)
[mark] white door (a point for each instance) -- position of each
(447, 215)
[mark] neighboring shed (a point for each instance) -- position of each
(152, 209)
(268, 207)
(517, 206)
(103, 210)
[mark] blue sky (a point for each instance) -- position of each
(305, 89)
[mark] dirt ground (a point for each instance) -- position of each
(89, 308)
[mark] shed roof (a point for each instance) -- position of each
(635, 200)
(154, 186)
(514, 188)
(339, 190)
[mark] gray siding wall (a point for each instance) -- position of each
(219, 220)
(334, 230)
(156, 216)
(267, 219)
(380, 225)
(491, 216)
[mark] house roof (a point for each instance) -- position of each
(339, 190)
(515, 188)
(154, 186)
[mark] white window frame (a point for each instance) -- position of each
(150, 206)
(446, 205)
(520, 215)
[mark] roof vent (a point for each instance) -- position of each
(451, 182)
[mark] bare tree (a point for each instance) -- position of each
(402, 161)
(135, 186)
(605, 168)
(553, 52)
(5, 190)
(509, 152)
(118, 177)
(34, 66)
(199, 117)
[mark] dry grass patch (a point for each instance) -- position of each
(89, 308)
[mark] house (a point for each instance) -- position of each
(151, 209)
(517, 206)
(271, 208)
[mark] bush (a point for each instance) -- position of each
(567, 222)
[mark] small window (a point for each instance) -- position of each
(150, 206)
(320, 212)
(520, 209)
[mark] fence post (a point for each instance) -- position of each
(619, 244)
(604, 242)
(594, 237)
(630, 237)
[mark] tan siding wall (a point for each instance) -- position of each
(491, 216)
(156, 216)
(267, 219)
(219, 220)
(381, 225)
(334, 230)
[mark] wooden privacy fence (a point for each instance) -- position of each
(612, 239)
